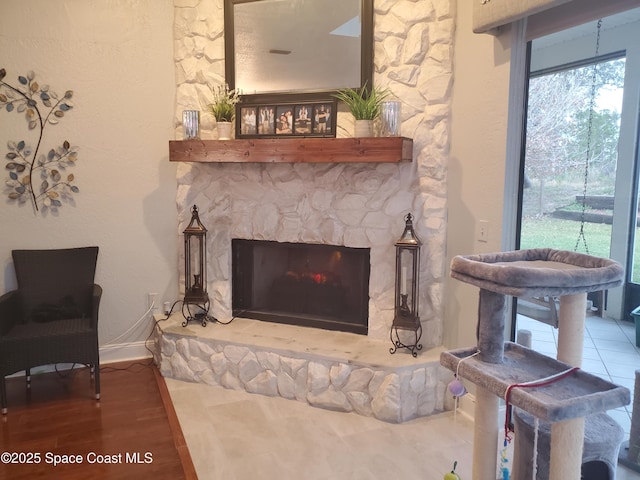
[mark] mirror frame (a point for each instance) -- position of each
(366, 58)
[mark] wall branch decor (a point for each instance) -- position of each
(34, 176)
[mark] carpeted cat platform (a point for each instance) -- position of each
(496, 366)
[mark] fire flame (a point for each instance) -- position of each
(319, 278)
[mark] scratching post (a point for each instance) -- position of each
(485, 435)
(566, 449)
(571, 328)
(501, 366)
(491, 317)
(568, 436)
(492, 308)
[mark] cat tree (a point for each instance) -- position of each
(495, 366)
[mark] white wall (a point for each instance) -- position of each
(476, 173)
(117, 57)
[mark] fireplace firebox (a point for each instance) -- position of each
(312, 285)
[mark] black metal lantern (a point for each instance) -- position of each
(406, 317)
(195, 271)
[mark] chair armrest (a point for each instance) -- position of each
(10, 311)
(96, 295)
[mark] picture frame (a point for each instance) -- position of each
(262, 118)
(248, 120)
(284, 119)
(266, 120)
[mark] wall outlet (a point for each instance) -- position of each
(153, 301)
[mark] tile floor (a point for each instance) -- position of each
(609, 352)
(240, 436)
(234, 435)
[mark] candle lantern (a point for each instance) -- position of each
(406, 320)
(196, 301)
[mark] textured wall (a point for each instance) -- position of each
(117, 58)
(353, 205)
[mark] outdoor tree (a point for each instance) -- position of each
(559, 114)
(603, 148)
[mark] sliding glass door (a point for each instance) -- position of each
(579, 189)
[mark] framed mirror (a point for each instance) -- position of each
(276, 48)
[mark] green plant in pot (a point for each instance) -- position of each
(223, 109)
(365, 105)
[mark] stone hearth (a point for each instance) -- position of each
(332, 370)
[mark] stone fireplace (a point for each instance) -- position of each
(346, 205)
(358, 206)
(355, 205)
(339, 207)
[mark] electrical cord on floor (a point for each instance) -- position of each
(69, 370)
(168, 314)
(155, 325)
(150, 362)
(107, 369)
(153, 330)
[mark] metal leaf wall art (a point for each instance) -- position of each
(34, 176)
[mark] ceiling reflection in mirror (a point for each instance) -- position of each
(297, 45)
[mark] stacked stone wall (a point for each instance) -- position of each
(389, 394)
(355, 205)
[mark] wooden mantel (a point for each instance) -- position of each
(293, 150)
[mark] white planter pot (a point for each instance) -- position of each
(224, 130)
(363, 128)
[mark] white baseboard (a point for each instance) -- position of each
(123, 352)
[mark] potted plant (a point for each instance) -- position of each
(365, 106)
(223, 109)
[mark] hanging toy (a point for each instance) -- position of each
(504, 461)
(457, 388)
(452, 475)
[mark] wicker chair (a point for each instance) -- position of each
(52, 317)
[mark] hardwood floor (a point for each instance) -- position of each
(133, 432)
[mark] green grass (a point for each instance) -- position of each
(547, 232)
(563, 235)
